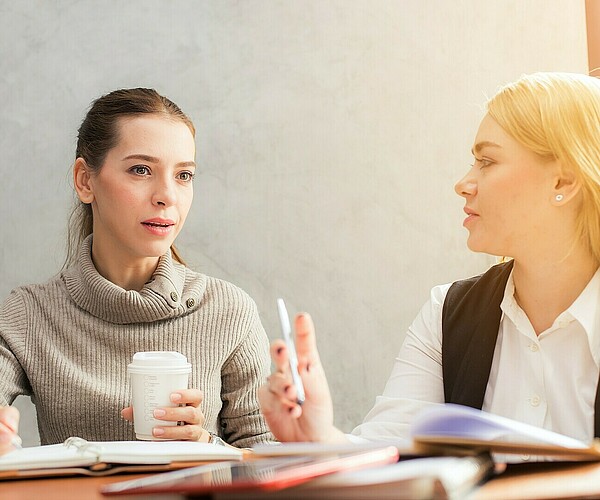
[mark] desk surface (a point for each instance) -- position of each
(543, 481)
(539, 481)
(66, 488)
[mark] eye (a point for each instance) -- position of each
(185, 176)
(482, 162)
(140, 170)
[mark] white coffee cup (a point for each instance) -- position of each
(154, 376)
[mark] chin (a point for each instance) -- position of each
(156, 250)
(477, 246)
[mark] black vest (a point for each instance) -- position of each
(470, 323)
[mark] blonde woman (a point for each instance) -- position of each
(523, 339)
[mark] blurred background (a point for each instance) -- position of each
(330, 134)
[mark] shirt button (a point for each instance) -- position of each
(174, 296)
(190, 303)
(535, 401)
(533, 347)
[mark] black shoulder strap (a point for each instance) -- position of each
(597, 412)
(470, 322)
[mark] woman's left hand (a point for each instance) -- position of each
(190, 414)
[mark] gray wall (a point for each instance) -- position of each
(330, 134)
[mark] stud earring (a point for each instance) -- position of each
(559, 197)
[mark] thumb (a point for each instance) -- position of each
(127, 413)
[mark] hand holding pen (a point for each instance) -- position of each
(295, 400)
(9, 424)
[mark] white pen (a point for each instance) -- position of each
(286, 330)
(15, 440)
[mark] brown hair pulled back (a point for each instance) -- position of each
(99, 133)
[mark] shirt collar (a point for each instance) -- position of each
(584, 310)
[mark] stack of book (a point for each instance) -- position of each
(453, 451)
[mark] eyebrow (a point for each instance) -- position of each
(153, 159)
(484, 144)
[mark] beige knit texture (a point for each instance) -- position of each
(67, 344)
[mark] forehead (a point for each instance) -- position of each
(154, 133)
(489, 130)
(491, 135)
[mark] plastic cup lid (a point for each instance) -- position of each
(159, 359)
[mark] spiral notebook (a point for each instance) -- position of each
(78, 456)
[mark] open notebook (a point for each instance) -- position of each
(450, 429)
(78, 456)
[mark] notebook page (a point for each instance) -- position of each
(47, 456)
(451, 420)
(161, 452)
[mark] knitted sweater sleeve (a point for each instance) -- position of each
(244, 372)
(13, 328)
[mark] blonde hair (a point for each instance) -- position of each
(557, 116)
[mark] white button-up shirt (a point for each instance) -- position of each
(548, 380)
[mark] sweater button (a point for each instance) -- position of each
(190, 303)
(174, 297)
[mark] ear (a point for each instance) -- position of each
(566, 187)
(81, 180)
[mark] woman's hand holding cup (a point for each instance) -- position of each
(159, 381)
(187, 412)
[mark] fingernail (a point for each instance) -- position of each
(175, 397)
(158, 431)
(158, 412)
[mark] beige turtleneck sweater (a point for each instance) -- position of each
(67, 344)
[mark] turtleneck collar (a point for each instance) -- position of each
(172, 291)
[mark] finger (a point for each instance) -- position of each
(9, 441)
(306, 340)
(278, 395)
(9, 416)
(181, 433)
(9, 425)
(192, 397)
(187, 414)
(279, 355)
(276, 409)
(282, 386)
(127, 413)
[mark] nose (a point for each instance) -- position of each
(165, 193)
(467, 186)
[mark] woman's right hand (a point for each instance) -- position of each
(9, 425)
(288, 421)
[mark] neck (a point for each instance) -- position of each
(546, 288)
(124, 271)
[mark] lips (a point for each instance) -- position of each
(471, 215)
(158, 222)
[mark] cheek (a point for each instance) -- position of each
(185, 204)
(126, 197)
